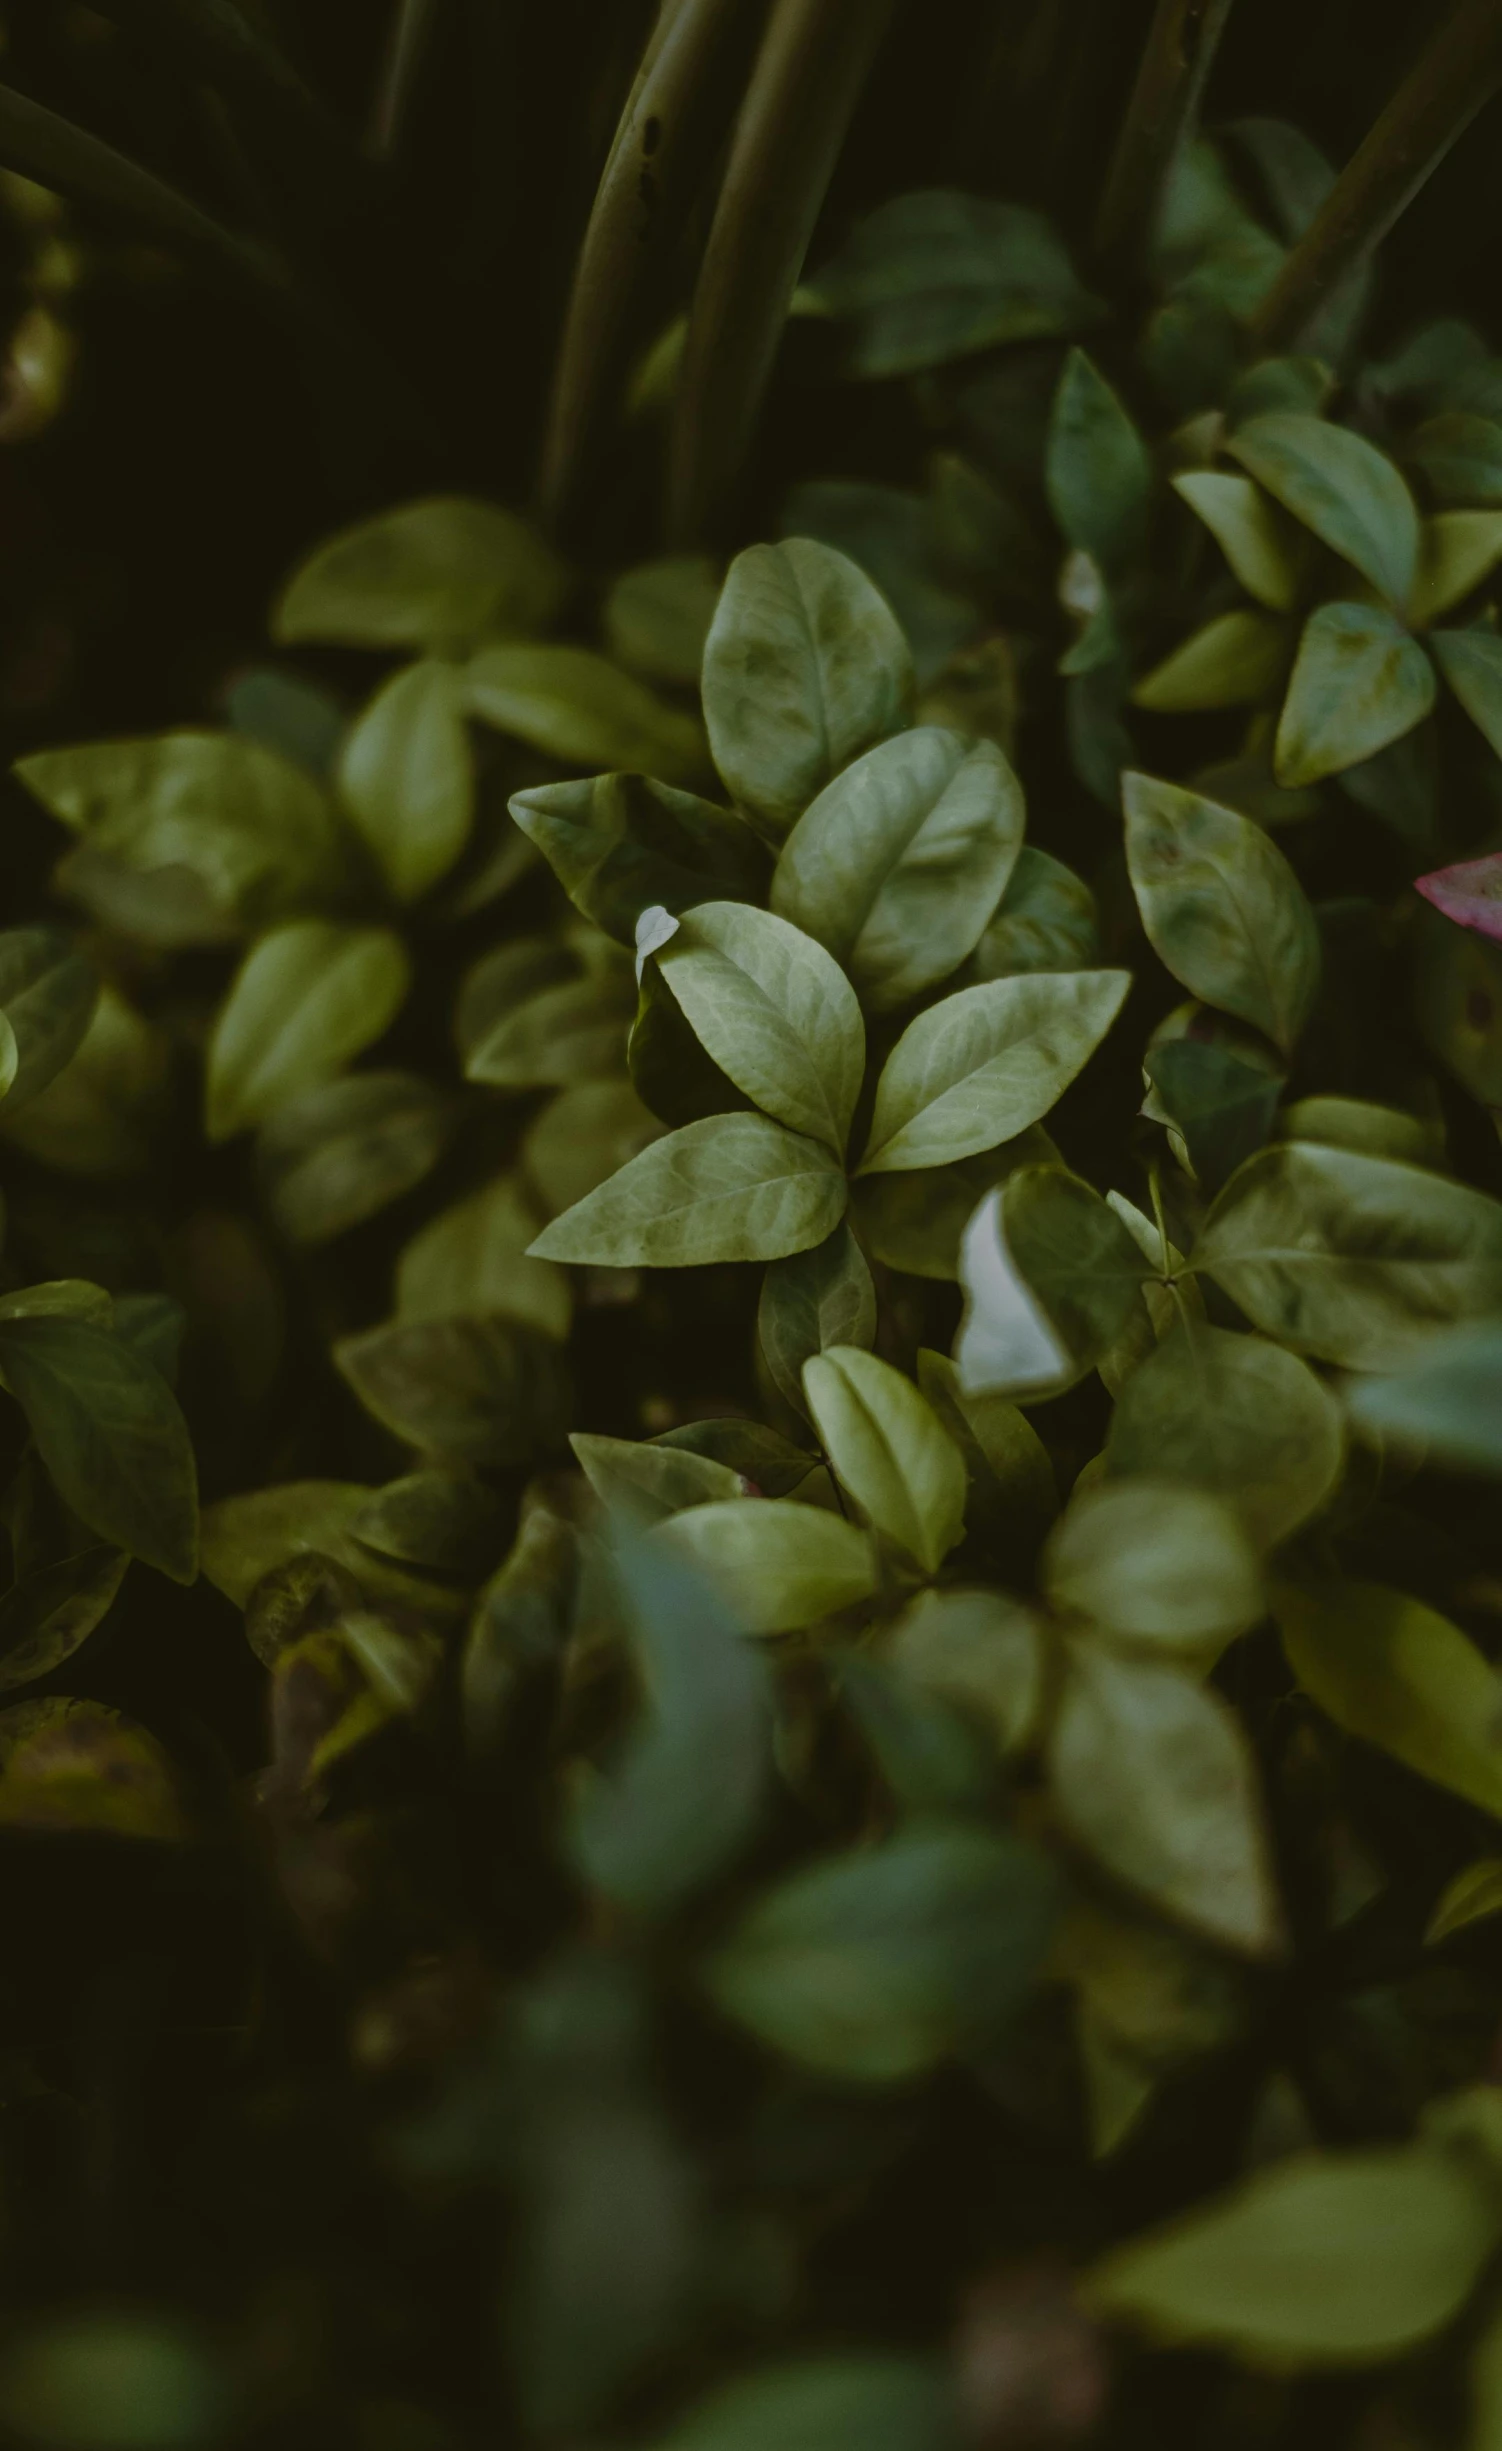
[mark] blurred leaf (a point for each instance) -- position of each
(1446, 1401)
(1457, 550)
(1461, 455)
(621, 844)
(778, 1565)
(811, 1301)
(1252, 534)
(1471, 661)
(306, 999)
(876, 1966)
(1471, 1897)
(734, 1187)
(645, 1483)
(657, 617)
(438, 574)
(1235, 660)
(47, 1613)
(1098, 473)
(978, 1068)
(246, 1537)
(980, 1650)
(81, 1769)
(902, 859)
(805, 667)
(573, 1029)
(483, 1391)
(1222, 907)
(1343, 489)
(1470, 894)
(576, 707)
(99, 1116)
(407, 779)
(871, 2403)
(472, 1261)
(932, 276)
(48, 995)
(1155, 1563)
(1238, 1417)
(342, 1152)
(109, 1431)
(1390, 1670)
(1013, 1494)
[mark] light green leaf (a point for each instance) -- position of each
(1152, 1772)
(779, 1566)
(574, 1028)
(888, 1448)
(657, 617)
(734, 1187)
(262, 835)
(1328, 2260)
(1044, 921)
(108, 1429)
(341, 1152)
(581, 1138)
(871, 2403)
(1456, 551)
(981, 1650)
(1051, 1278)
(407, 778)
(1471, 1897)
(878, 1965)
(1471, 661)
(930, 277)
(1222, 908)
(482, 1391)
(1235, 660)
(472, 1261)
(1155, 1563)
(1353, 1259)
(1390, 1670)
(307, 998)
(1238, 1417)
(902, 859)
(981, 1066)
(644, 1483)
(805, 667)
(1447, 1402)
(246, 1537)
(576, 707)
(1254, 537)
(816, 1299)
(100, 1115)
(1342, 488)
(777, 1015)
(1098, 472)
(48, 995)
(437, 573)
(620, 844)
(1371, 1130)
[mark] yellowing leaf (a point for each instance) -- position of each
(1391, 1670)
(1235, 660)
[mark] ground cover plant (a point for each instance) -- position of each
(752, 1288)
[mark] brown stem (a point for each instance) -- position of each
(798, 106)
(678, 110)
(1180, 48)
(1459, 71)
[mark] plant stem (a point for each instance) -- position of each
(676, 115)
(1458, 71)
(808, 76)
(1170, 81)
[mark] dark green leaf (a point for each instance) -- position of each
(109, 1431)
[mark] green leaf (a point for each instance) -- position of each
(1396, 1673)
(1254, 537)
(657, 617)
(1098, 473)
(578, 708)
(805, 667)
(247, 1537)
(438, 1523)
(1222, 1108)
(620, 844)
(981, 1066)
(581, 1138)
(1472, 1897)
(1458, 980)
(1222, 908)
(778, 1565)
(876, 1966)
(1457, 550)
(980, 1650)
(83, 1769)
(1235, 1416)
(645, 1483)
(260, 834)
(101, 1114)
(407, 778)
(1327, 2260)
(488, 1391)
(1471, 661)
(902, 859)
(1340, 487)
(1461, 456)
(897, 539)
(48, 995)
(929, 277)
(472, 1261)
(340, 1153)
(1447, 1402)
(771, 1463)
(816, 1299)
(870, 2403)
(1155, 1563)
(1044, 921)
(48, 1612)
(1051, 1278)
(689, 1784)
(1013, 1494)
(108, 1429)
(573, 1029)
(734, 1187)
(776, 1014)
(306, 999)
(434, 574)
(1371, 1130)
(1152, 1772)
(1235, 660)
(888, 1448)
(1353, 1259)
(916, 1222)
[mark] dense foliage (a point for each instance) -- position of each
(830, 1221)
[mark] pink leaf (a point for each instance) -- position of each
(1470, 894)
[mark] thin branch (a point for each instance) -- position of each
(812, 65)
(1181, 45)
(676, 115)
(412, 30)
(1458, 72)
